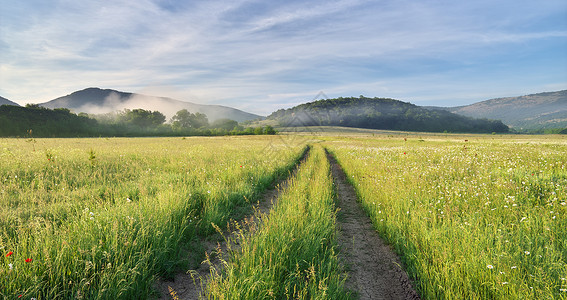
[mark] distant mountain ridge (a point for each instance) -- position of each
(381, 113)
(4, 101)
(99, 101)
(530, 112)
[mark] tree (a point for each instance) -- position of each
(226, 124)
(199, 120)
(181, 119)
(143, 118)
(269, 130)
(185, 119)
(258, 130)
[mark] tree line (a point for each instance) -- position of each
(37, 121)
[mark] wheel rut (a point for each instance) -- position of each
(374, 271)
(192, 284)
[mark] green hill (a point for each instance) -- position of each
(381, 113)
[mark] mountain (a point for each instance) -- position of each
(4, 101)
(380, 113)
(99, 101)
(535, 111)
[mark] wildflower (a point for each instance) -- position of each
(128, 200)
(11, 266)
(9, 253)
(563, 290)
(490, 266)
(513, 267)
(527, 252)
(28, 260)
(505, 282)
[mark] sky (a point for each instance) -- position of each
(260, 56)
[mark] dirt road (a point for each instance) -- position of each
(374, 271)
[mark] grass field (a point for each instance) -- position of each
(293, 253)
(472, 216)
(482, 218)
(102, 218)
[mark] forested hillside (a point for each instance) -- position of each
(381, 113)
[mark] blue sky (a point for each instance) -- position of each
(260, 56)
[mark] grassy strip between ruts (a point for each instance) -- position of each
(293, 253)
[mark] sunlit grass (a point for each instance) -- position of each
(102, 218)
(292, 255)
(478, 219)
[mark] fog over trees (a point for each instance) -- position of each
(37, 121)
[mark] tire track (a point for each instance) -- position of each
(374, 271)
(192, 284)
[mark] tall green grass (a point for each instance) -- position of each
(293, 253)
(478, 219)
(103, 218)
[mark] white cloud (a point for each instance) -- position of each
(250, 54)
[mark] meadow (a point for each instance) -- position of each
(104, 218)
(471, 216)
(293, 253)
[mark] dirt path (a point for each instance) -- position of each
(189, 286)
(374, 271)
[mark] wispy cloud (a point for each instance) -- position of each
(262, 55)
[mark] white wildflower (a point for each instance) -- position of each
(490, 266)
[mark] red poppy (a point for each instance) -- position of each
(404, 153)
(9, 253)
(28, 260)
(20, 296)
(241, 166)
